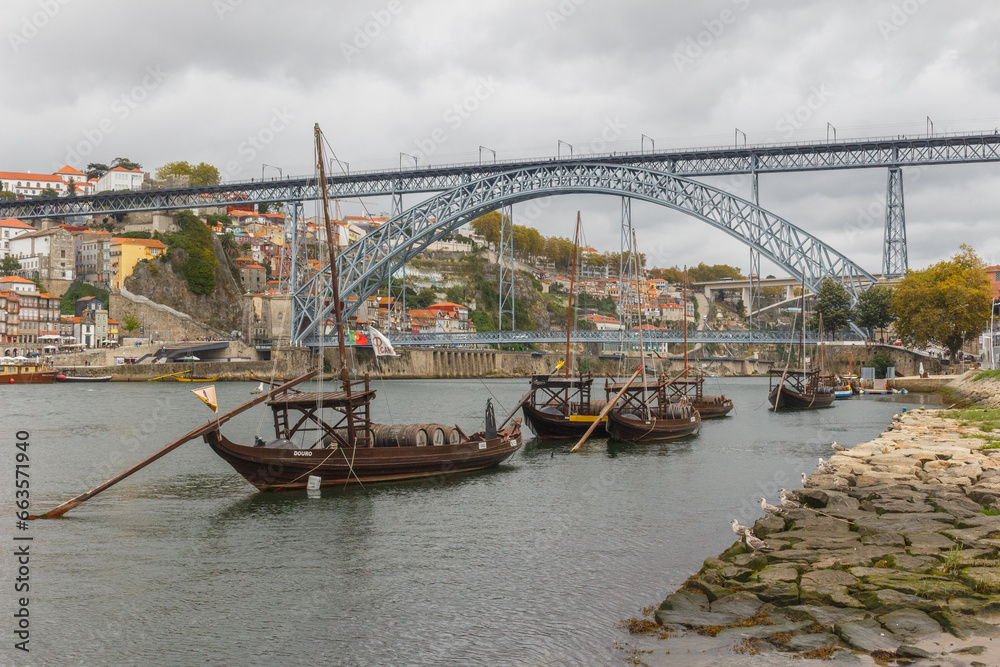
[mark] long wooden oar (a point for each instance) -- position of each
(201, 430)
(517, 407)
(607, 409)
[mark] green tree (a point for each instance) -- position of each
(264, 207)
(199, 174)
(9, 265)
(71, 187)
(197, 241)
(131, 323)
(125, 163)
(874, 309)
(706, 273)
(47, 193)
(834, 304)
(946, 303)
(672, 275)
(488, 226)
(96, 169)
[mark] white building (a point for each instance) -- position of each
(31, 185)
(9, 228)
(120, 178)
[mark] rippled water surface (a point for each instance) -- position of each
(531, 563)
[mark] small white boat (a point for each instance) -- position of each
(842, 392)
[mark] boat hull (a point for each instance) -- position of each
(789, 399)
(556, 427)
(713, 410)
(273, 469)
(622, 427)
(40, 377)
(71, 378)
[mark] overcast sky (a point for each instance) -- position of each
(239, 83)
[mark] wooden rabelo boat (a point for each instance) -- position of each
(347, 447)
(798, 389)
(692, 389)
(25, 372)
(644, 413)
(560, 407)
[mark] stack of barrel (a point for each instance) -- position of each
(415, 435)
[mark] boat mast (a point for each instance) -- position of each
(642, 348)
(335, 284)
(685, 304)
(822, 348)
(802, 337)
(572, 282)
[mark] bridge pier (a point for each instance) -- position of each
(894, 260)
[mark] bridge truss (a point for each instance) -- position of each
(367, 263)
(650, 337)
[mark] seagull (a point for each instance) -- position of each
(838, 448)
(769, 508)
(787, 494)
(756, 543)
(806, 482)
(259, 389)
(840, 483)
(788, 503)
(826, 467)
(738, 529)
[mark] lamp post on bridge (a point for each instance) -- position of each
(484, 148)
(828, 128)
(559, 144)
(344, 166)
(402, 155)
(281, 174)
(642, 143)
(736, 137)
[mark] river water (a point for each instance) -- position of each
(529, 564)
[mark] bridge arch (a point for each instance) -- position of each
(367, 263)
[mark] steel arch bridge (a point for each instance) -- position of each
(369, 262)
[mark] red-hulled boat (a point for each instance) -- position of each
(26, 372)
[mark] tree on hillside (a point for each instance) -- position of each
(131, 323)
(125, 163)
(47, 193)
(834, 304)
(97, 169)
(9, 265)
(874, 309)
(672, 275)
(488, 226)
(705, 273)
(7, 195)
(946, 303)
(199, 174)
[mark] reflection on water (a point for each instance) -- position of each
(531, 563)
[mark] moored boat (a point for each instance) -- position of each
(692, 389)
(798, 389)
(83, 378)
(17, 371)
(348, 447)
(559, 407)
(645, 414)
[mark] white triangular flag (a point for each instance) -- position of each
(381, 344)
(207, 394)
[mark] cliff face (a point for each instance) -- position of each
(159, 282)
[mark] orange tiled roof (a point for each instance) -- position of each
(16, 279)
(14, 222)
(25, 176)
(70, 170)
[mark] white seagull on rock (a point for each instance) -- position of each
(769, 508)
(756, 543)
(738, 529)
(826, 467)
(789, 503)
(838, 448)
(806, 482)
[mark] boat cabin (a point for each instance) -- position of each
(563, 396)
(297, 412)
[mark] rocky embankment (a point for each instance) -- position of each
(979, 387)
(892, 560)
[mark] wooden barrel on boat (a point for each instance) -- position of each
(342, 432)
(435, 434)
(596, 406)
(400, 435)
(452, 435)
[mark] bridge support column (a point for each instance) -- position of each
(399, 290)
(506, 261)
(894, 260)
(293, 252)
(752, 304)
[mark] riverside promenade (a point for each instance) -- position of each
(892, 560)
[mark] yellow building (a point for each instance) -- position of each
(126, 253)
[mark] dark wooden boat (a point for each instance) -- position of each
(347, 447)
(558, 408)
(26, 373)
(83, 378)
(645, 414)
(798, 389)
(692, 389)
